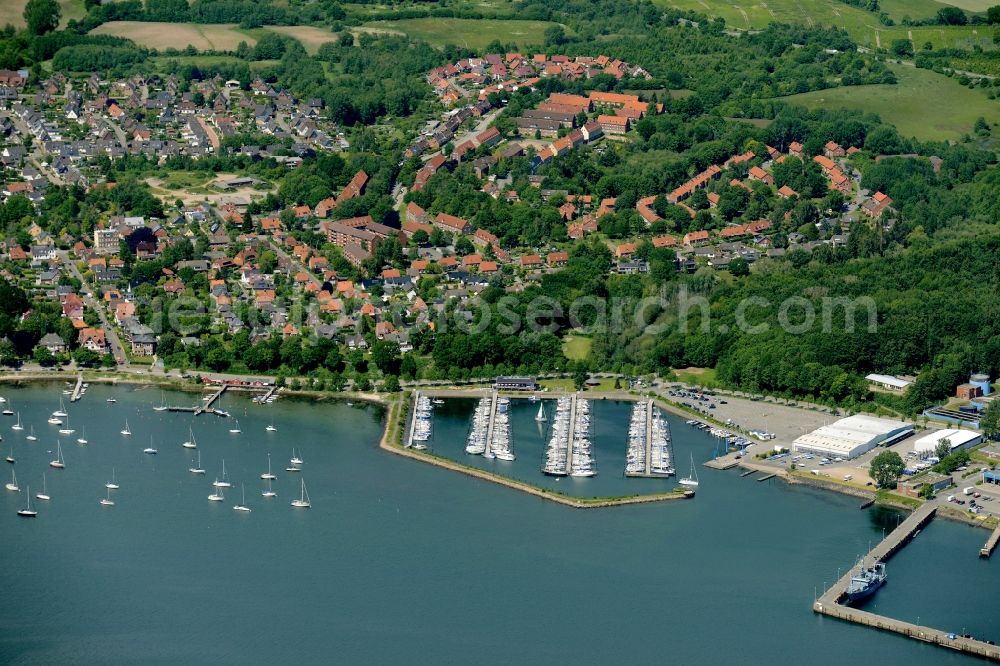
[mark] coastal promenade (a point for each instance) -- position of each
(829, 602)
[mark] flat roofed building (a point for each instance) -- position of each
(516, 384)
(888, 382)
(852, 436)
(957, 439)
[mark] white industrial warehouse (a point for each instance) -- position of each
(957, 439)
(852, 436)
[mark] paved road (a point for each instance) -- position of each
(98, 306)
(483, 123)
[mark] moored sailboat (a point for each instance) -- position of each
(44, 495)
(242, 506)
(58, 463)
(303, 501)
(198, 468)
(27, 512)
(692, 478)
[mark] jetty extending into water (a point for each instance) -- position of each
(991, 543)
(77, 390)
(829, 602)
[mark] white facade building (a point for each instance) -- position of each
(852, 436)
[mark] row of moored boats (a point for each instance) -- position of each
(645, 424)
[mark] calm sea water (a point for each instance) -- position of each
(399, 562)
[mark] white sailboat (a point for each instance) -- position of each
(191, 443)
(271, 428)
(242, 506)
(66, 430)
(268, 475)
(236, 428)
(540, 416)
(113, 483)
(10, 458)
(44, 495)
(82, 439)
(58, 463)
(692, 478)
(111, 400)
(27, 512)
(269, 492)
(31, 437)
(303, 501)
(163, 405)
(296, 460)
(223, 483)
(197, 469)
(107, 501)
(17, 426)
(216, 496)
(7, 411)
(12, 486)
(54, 420)
(61, 412)
(150, 449)
(125, 431)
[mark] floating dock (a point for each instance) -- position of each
(748, 472)
(572, 435)
(413, 419)
(829, 602)
(491, 423)
(991, 543)
(766, 477)
(77, 390)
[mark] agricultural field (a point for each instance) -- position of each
(11, 11)
(925, 105)
(861, 25)
(161, 36)
(311, 38)
(470, 33)
(942, 37)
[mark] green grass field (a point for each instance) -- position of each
(470, 33)
(941, 37)
(11, 11)
(577, 347)
(218, 37)
(861, 25)
(923, 104)
(697, 376)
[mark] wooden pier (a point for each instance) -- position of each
(572, 435)
(766, 477)
(491, 423)
(829, 602)
(215, 396)
(77, 390)
(991, 543)
(748, 472)
(270, 393)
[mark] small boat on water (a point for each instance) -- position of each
(10, 458)
(163, 406)
(269, 492)
(268, 475)
(17, 426)
(540, 416)
(197, 469)
(61, 412)
(31, 436)
(224, 483)
(295, 459)
(82, 439)
(437, 401)
(125, 431)
(58, 463)
(55, 421)
(7, 411)
(150, 449)
(236, 428)
(44, 495)
(190, 443)
(271, 428)
(66, 430)
(216, 495)
(27, 512)
(12, 486)
(303, 501)
(692, 478)
(113, 483)
(107, 501)
(242, 506)
(111, 400)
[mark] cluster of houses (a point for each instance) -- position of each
(499, 73)
(73, 121)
